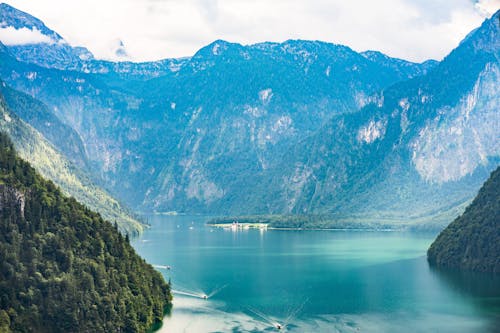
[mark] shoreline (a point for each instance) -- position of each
(265, 226)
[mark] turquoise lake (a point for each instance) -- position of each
(311, 281)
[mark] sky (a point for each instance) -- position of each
(414, 30)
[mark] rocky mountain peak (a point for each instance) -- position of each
(13, 17)
(30, 40)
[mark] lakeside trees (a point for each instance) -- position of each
(472, 241)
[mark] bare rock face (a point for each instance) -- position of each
(462, 137)
(12, 199)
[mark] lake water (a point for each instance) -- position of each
(311, 281)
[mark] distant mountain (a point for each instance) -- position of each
(53, 51)
(405, 68)
(296, 127)
(62, 267)
(238, 108)
(472, 241)
(33, 147)
(422, 149)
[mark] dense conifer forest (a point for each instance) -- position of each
(472, 241)
(62, 267)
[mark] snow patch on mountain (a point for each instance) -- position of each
(282, 124)
(255, 112)
(7, 117)
(219, 47)
(404, 104)
(195, 115)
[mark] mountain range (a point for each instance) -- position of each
(299, 127)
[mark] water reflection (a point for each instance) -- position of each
(480, 289)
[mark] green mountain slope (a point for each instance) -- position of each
(39, 116)
(472, 241)
(51, 164)
(62, 267)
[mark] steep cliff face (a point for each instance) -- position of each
(51, 163)
(462, 136)
(472, 241)
(423, 149)
(62, 267)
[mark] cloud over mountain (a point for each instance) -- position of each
(155, 29)
(23, 36)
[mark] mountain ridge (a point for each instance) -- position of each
(57, 52)
(81, 59)
(350, 86)
(431, 102)
(211, 133)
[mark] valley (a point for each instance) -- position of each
(297, 185)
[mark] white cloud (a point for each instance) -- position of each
(487, 7)
(154, 29)
(23, 36)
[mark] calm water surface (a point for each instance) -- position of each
(311, 281)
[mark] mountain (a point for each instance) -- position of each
(232, 110)
(405, 68)
(472, 241)
(423, 149)
(62, 267)
(52, 164)
(51, 50)
(417, 149)
(191, 139)
(299, 127)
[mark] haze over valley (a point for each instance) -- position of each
(275, 186)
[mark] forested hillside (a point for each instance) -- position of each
(472, 241)
(62, 267)
(17, 119)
